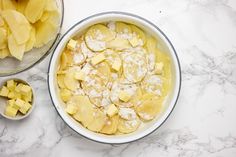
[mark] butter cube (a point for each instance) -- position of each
(134, 41)
(71, 109)
(11, 95)
(4, 91)
(72, 45)
(116, 65)
(112, 110)
(25, 89)
(79, 75)
(11, 103)
(159, 68)
(18, 87)
(19, 102)
(97, 59)
(124, 96)
(11, 85)
(10, 111)
(27, 97)
(25, 108)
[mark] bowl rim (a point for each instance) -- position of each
(137, 17)
(33, 103)
(50, 49)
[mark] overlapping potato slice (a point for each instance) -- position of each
(6, 4)
(30, 43)
(151, 44)
(139, 34)
(150, 107)
(18, 25)
(152, 84)
(117, 88)
(134, 67)
(97, 36)
(104, 72)
(16, 50)
(123, 30)
(85, 113)
(1, 20)
(60, 80)
(3, 39)
(128, 126)
(4, 53)
(34, 10)
(118, 43)
(111, 125)
(70, 82)
(111, 56)
(99, 121)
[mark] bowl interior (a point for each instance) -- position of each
(165, 46)
(9, 65)
(3, 101)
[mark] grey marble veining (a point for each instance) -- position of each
(203, 122)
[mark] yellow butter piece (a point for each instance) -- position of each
(11, 95)
(98, 59)
(124, 96)
(159, 68)
(80, 75)
(11, 103)
(72, 45)
(134, 41)
(27, 97)
(4, 91)
(18, 87)
(25, 108)
(112, 110)
(25, 89)
(116, 65)
(10, 111)
(19, 102)
(71, 109)
(11, 85)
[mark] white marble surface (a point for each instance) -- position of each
(203, 122)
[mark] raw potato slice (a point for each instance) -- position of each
(1, 20)
(135, 67)
(111, 125)
(4, 53)
(99, 121)
(139, 33)
(111, 56)
(118, 44)
(60, 80)
(45, 32)
(152, 84)
(51, 5)
(8, 4)
(65, 94)
(97, 36)
(151, 44)
(34, 10)
(123, 29)
(3, 38)
(20, 6)
(30, 43)
(104, 72)
(18, 25)
(16, 50)
(128, 126)
(70, 82)
(85, 110)
(149, 108)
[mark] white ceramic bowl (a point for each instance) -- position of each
(167, 47)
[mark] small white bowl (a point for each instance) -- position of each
(3, 101)
(149, 27)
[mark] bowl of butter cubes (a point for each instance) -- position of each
(16, 99)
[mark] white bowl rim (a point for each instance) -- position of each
(144, 133)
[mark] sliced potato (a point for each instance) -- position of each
(9, 4)
(4, 53)
(60, 80)
(122, 28)
(18, 25)
(65, 94)
(111, 125)
(97, 36)
(70, 82)
(16, 50)
(104, 72)
(30, 43)
(151, 44)
(3, 38)
(99, 121)
(139, 33)
(128, 126)
(118, 44)
(149, 108)
(134, 67)
(51, 5)
(34, 10)
(152, 84)
(1, 20)
(45, 32)
(21, 5)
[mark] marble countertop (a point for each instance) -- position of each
(203, 122)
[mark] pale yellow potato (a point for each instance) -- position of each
(30, 43)
(60, 80)
(104, 72)
(1, 21)
(99, 121)
(151, 44)
(4, 53)
(128, 126)
(3, 39)
(111, 125)
(18, 24)
(118, 44)
(139, 33)
(70, 82)
(34, 10)
(21, 5)
(122, 28)
(16, 50)
(51, 5)
(152, 84)
(97, 36)
(9, 4)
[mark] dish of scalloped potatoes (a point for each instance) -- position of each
(113, 78)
